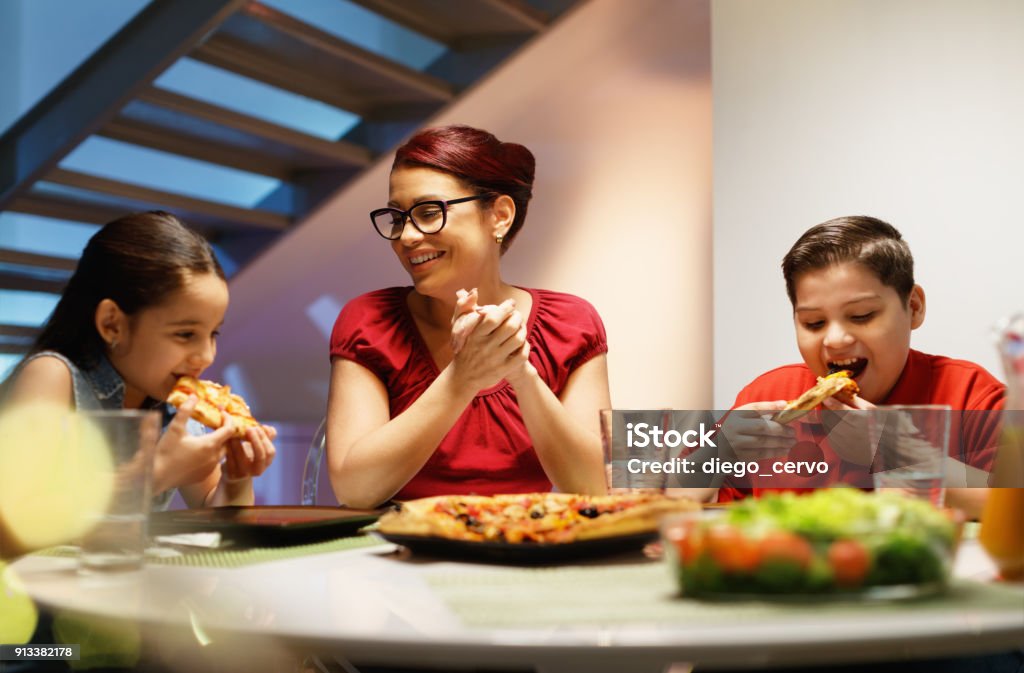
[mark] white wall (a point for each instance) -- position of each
(906, 110)
(615, 102)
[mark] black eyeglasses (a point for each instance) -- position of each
(429, 217)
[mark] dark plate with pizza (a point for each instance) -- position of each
(528, 528)
(518, 553)
(265, 526)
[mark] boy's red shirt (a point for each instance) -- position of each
(926, 379)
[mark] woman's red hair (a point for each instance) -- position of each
(477, 158)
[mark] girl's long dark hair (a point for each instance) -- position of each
(138, 261)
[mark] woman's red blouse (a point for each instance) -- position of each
(488, 450)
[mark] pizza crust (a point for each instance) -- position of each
(642, 518)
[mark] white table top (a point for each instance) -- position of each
(373, 606)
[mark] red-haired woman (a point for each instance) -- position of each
(505, 402)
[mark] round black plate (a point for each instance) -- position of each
(265, 526)
(524, 553)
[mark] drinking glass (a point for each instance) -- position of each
(911, 443)
(117, 540)
(632, 457)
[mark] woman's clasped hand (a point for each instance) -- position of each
(488, 342)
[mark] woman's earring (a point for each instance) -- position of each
(498, 239)
(113, 345)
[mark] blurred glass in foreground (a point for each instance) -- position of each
(117, 540)
(912, 442)
(1002, 522)
(56, 477)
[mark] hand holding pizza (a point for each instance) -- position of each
(846, 420)
(183, 458)
(248, 449)
(751, 433)
(250, 457)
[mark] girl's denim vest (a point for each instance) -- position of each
(101, 387)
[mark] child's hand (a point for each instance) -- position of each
(752, 435)
(847, 426)
(182, 458)
(250, 457)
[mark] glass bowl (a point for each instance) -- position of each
(832, 543)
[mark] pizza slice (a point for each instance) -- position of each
(214, 400)
(837, 383)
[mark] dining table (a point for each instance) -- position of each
(363, 601)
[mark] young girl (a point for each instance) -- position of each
(143, 308)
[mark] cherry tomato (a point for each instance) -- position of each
(688, 539)
(732, 550)
(781, 545)
(850, 562)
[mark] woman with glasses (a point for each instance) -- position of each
(504, 401)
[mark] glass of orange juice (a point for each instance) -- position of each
(1002, 531)
(1002, 521)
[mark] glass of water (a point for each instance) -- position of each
(910, 444)
(117, 540)
(634, 452)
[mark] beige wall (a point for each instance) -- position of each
(906, 110)
(616, 104)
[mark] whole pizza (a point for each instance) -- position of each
(530, 518)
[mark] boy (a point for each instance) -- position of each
(851, 283)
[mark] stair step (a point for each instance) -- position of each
(355, 92)
(32, 272)
(17, 339)
(30, 282)
(9, 257)
(55, 206)
(170, 122)
(159, 34)
(455, 23)
(94, 199)
(270, 46)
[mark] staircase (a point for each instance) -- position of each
(127, 97)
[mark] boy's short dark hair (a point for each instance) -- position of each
(867, 241)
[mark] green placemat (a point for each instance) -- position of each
(645, 593)
(236, 558)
